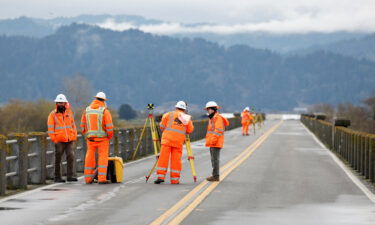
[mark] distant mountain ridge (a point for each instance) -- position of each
(137, 68)
(360, 48)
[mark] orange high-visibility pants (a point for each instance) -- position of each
(245, 128)
(176, 165)
(103, 148)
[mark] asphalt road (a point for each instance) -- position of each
(281, 175)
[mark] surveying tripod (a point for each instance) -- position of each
(154, 134)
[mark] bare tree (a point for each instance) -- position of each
(78, 90)
(325, 108)
(370, 102)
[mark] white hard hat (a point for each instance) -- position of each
(181, 105)
(211, 104)
(61, 98)
(101, 95)
(247, 109)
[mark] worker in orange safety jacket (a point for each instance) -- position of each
(247, 119)
(174, 125)
(62, 131)
(97, 126)
(215, 137)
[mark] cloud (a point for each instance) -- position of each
(303, 23)
(227, 17)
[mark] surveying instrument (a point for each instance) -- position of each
(154, 134)
(157, 146)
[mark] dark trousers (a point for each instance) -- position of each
(215, 160)
(60, 148)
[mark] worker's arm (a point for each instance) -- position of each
(218, 130)
(164, 122)
(51, 127)
(73, 125)
(190, 127)
(108, 124)
(219, 126)
(83, 123)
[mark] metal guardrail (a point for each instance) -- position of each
(29, 158)
(355, 148)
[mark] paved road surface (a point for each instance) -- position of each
(281, 175)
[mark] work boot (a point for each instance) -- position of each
(105, 182)
(59, 180)
(212, 178)
(158, 181)
(72, 179)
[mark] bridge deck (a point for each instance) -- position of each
(281, 175)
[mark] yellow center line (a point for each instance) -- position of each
(231, 165)
(181, 216)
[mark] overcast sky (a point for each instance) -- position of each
(231, 15)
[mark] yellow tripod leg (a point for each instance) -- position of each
(254, 123)
(153, 168)
(155, 136)
(190, 158)
(156, 143)
(140, 140)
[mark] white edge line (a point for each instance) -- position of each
(348, 172)
(28, 192)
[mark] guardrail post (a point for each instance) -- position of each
(23, 150)
(372, 159)
(116, 145)
(3, 168)
(40, 176)
(366, 156)
(131, 143)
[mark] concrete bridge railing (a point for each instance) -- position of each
(29, 158)
(355, 148)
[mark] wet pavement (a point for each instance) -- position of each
(290, 179)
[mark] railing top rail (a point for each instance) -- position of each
(344, 129)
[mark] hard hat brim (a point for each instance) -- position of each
(218, 107)
(100, 98)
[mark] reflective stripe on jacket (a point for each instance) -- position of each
(61, 126)
(174, 131)
(247, 118)
(215, 131)
(96, 122)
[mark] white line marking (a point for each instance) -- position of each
(26, 192)
(349, 173)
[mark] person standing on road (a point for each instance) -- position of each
(63, 133)
(246, 121)
(174, 125)
(97, 126)
(215, 137)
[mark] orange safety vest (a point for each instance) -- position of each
(61, 126)
(96, 122)
(215, 131)
(246, 118)
(174, 131)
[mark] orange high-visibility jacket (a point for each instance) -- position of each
(61, 126)
(174, 131)
(215, 131)
(246, 118)
(96, 122)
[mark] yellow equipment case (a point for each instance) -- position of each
(115, 169)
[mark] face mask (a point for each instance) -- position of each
(61, 108)
(211, 115)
